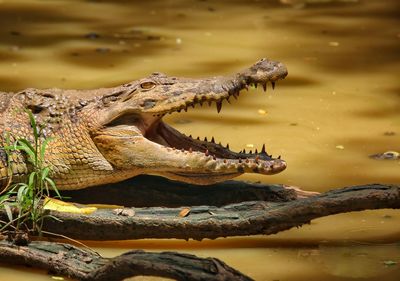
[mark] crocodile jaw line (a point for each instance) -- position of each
(140, 142)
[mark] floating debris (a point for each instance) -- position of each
(389, 263)
(262, 112)
(388, 155)
(389, 133)
(340, 146)
(333, 44)
(103, 50)
(92, 35)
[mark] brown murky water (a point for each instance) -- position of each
(339, 104)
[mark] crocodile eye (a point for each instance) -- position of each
(147, 85)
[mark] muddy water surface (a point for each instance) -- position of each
(339, 104)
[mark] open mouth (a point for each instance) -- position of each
(141, 137)
(155, 130)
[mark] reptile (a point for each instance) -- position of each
(111, 134)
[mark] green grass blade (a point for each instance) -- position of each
(31, 180)
(8, 211)
(33, 123)
(43, 148)
(45, 173)
(21, 193)
(26, 147)
(53, 186)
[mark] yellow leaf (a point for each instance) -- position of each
(61, 206)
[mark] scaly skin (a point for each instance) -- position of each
(108, 135)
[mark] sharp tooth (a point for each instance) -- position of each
(185, 109)
(265, 86)
(244, 151)
(255, 85)
(279, 157)
(192, 105)
(273, 85)
(227, 99)
(227, 145)
(212, 140)
(205, 138)
(251, 152)
(256, 152)
(198, 138)
(219, 106)
(190, 136)
(263, 149)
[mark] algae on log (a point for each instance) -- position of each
(240, 219)
(70, 261)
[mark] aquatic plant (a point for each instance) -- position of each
(23, 202)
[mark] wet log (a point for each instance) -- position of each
(153, 191)
(70, 261)
(241, 219)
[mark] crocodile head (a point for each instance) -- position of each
(128, 128)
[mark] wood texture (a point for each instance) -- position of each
(239, 219)
(70, 261)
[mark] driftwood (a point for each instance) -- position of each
(285, 209)
(239, 219)
(67, 260)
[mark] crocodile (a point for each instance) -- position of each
(108, 135)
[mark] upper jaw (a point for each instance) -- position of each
(180, 93)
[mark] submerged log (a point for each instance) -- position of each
(70, 261)
(199, 222)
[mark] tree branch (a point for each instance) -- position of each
(67, 260)
(246, 218)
